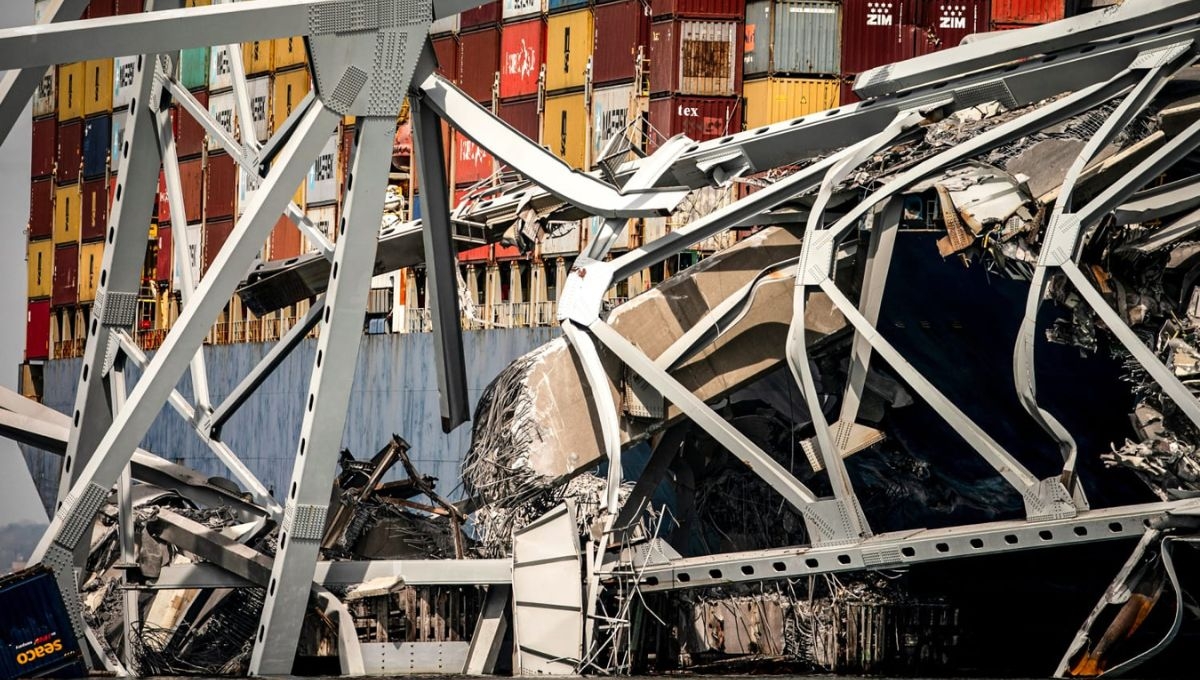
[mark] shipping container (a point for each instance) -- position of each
(1030, 12)
(45, 97)
(446, 49)
(848, 96)
(484, 15)
(569, 43)
(257, 56)
(554, 6)
(622, 29)
(71, 79)
(471, 162)
(195, 250)
(37, 336)
(221, 187)
(877, 32)
(91, 259)
(947, 23)
(522, 53)
(215, 234)
(119, 119)
(44, 147)
(220, 73)
(564, 128)
(561, 238)
(701, 118)
(223, 109)
(193, 68)
(68, 214)
(41, 209)
(189, 133)
(38, 639)
(124, 71)
(521, 9)
(522, 116)
(98, 9)
(654, 228)
(94, 194)
(445, 25)
(97, 86)
(191, 175)
(323, 182)
(793, 36)
(260, 105)
(778, 99)
(70, 152)
(756, 38)
(40, 256)
(284, 241)
(624, 238)
(610, 115)
(478, 63)
(476, 254)
(698, 9)
(66, 275)
(97, 138)
(289, 52)
(696, 57)
(323, 218)
(165, 255)
(288, 90)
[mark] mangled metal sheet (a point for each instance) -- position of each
(548, 595)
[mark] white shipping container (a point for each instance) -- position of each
(445, 25)
(322, 186)
(514, 9)
(654, 228)
(622, 240)
(45, 97)
(222, 108)
(194, 234)
(260, 105)
(565, 238)
(118, 133)
(610, 115)
(220, 74)
(124, 69)
(323, 218)
(245, 193)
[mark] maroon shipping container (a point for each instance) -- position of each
(479, 60)
(446, 50)
(621, 27)
(191, 174)
(70, 152)
(37, 330)
(285, 240)
(701, 118)
(877, 32)
(45, 147)
(485, 15)
(165, 255)
(41, 209)
(130, 6)
(215, 233)
(189, 135)
(702, 58)
(848, 96)
(699, 9)
(522, 54)
(1030, 11)
(947, 23)
(66, 275)
(222, 188)
(95, 209)
(98, 9)
(522, 116)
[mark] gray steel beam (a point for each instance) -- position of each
(307, 502)
(212, 546)
(351, 573)
(489, 632)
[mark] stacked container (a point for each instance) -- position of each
(619, 73)
(792, 59)
(570, 39)
(1009, 14)
(696, 68)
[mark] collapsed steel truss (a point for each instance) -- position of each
(366, 57)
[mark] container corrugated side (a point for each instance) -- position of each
(701, 118)
(521, 9)
(68, 214)
(38, 638)
(522, 53)
(41, 209)
(774, 100)
(37, 330)
(45, 97)
(877, 32)
(189, 134)
(288, 90)
(124, 70)
(44, 147)
(165, 255)
(484, 15)
(216, 232)
(1031, 11)
(71, 79)
(289, 52)
(621, 29)
(445, 25)
(260, 105)
(555, 6)
(66, 275)
(191, 174)
(223, 109)
(39, 257)
(220, 73)
(193, 68)
(756, 40)
(97, 86)
(947, 23)
(97, 138)
(220, 187)
(95, 209)
(522, 116)
(564, 128)
(569, 43)
(91, 257)
(699, 9)
(70, 152)
(479, 60)
(610, 114)
(807, 37)
(471, 162)
(446, 49)
(258, 56)
(323, 218)
(323, 182)
(701, 58)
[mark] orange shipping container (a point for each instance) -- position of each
(289, 52)
(256, 56)
(71, 78)
(564, 128)
(522, 53)
(40, 256)
(68, 214)
(91, 258)
(569, 42)
(289, 89)
(471, 162)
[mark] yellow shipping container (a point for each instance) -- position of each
(41, 269)
(91, 256)
(569, 42)
(197, 3)
(290, 88)
(68, 214)
(778, 99)
(289, 52)
(97, 86)
(256, 56)
(564, 128)
(71, 79)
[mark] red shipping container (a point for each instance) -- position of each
(189, 135)
(222, 188)
(192, 177)
(45, 147)
(66, 275)
(877, 32)
(947, 23)
(522, 116)
(699, 9)
(502, 252)
(165, 255)
(37, 330)
(41, 209)
(163, 212)
(479, 59)
(130, 6)
(848, 96)
(95, 209)
(522, 53)
(98, 9)
(446, 49)
(621, 27)
(215, 234)
(1030, 11)
(471, 162)
(480, 16)
(701, 118)
(701, 58)
(476, 254)
(70, 149)
(285, 240)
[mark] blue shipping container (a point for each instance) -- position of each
(562, 5)
(36, 639)
(97, 138)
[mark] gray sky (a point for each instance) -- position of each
(18, 499)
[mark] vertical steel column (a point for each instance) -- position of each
(126, 527)
(329, 394)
